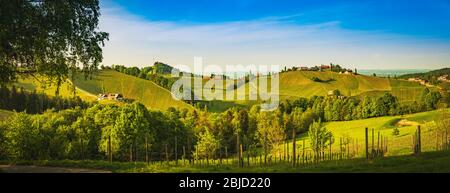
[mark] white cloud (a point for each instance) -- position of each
(135, 41)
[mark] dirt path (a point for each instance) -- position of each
(44, 169)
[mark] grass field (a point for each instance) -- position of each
(429, 162)
(31, 84)
(397, 145)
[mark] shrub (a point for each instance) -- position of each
(395, 131)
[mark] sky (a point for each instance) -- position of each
(360, 34)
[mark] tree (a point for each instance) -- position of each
(424, 94)
(206, 146)
(432, 99)
(87, 137)
(319, 137)
(23, 140)
(270, 133)
(50, 38)
(3, 147)
(130, 129)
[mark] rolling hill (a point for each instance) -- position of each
(294, 84)
(144, 91)
(65, 89)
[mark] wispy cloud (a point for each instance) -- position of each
(272, 40)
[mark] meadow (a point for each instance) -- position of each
(353, 132)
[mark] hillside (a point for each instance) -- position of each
(427, 75)
(433, 77)
(294, 84)
(65, 89)
(398, 145)
(144, 91)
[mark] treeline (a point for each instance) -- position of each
(431, 76)
(20, 100)
(153, 73)
(341, 108)
(131, 131)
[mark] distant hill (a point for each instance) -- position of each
(431, 76)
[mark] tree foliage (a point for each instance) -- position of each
(49, 38)
(319, 136)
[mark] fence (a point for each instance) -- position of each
(375, 145)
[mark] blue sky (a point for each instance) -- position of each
(361, 34)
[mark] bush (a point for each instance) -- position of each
(395, 132)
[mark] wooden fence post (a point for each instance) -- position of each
(331, 152)
(419, 140)
(184, 155)
(146, 149)
(241, 160)
(167, 155)
(109, 149)
(226, 153)
(176, 151)
(237, 149)
(373, 141)
(220, 154)
(265, 147)
(131, 153)
(293, 148)
(378, 142)
(367, 143)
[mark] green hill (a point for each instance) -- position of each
(65, 89)
(429, 76)
(294, 84)
(301, 83)
(144, 91)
